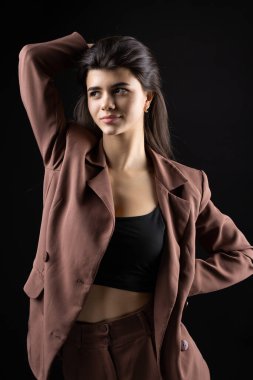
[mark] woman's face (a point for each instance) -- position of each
(117, 92)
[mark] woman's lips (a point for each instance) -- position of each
(111, 120)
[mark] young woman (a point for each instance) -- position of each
(115, 262)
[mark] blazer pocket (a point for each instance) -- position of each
(34, 284)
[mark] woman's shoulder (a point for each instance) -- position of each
(194, 175)
(187, 170)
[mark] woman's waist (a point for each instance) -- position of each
(107, 303)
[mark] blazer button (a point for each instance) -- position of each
(184, 345)
(104, 327)
(45, 256)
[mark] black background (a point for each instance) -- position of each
(204, 49)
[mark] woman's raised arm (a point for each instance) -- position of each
(38, 65)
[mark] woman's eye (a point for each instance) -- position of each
(93, 93)
(121, 89)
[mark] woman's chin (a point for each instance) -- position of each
(112, 130)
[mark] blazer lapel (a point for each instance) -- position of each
(176, 213)
(100, 182)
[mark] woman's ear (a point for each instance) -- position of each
(150, 96)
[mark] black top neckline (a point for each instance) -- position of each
(137, 216)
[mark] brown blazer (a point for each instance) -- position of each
(78, 221)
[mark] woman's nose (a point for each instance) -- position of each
(108, 102)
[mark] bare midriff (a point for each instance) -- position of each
(104, 302)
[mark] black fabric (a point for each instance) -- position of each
(133, 254)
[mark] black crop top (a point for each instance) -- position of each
(133, 254)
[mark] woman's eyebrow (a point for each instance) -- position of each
(114, 85)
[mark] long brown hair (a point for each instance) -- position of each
(126, 51)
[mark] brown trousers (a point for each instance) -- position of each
(116, 349)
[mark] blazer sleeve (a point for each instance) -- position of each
(37, 67)
(230, 254)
